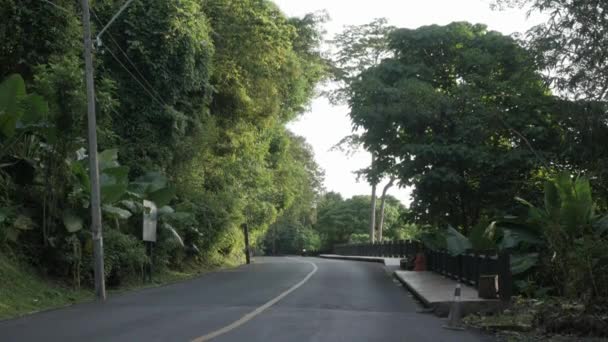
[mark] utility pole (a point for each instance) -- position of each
(247, 250)
(96, 229)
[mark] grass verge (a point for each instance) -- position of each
(23, 290)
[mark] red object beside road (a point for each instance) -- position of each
(420, 262)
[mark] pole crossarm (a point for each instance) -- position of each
(98, 37)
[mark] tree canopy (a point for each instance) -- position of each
(347, 220)
(193, 100)
(461, 114)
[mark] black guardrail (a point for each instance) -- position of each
(466, 268)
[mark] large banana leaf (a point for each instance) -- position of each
(553, 203)
(72, 222)
(116, 211)
(449, 239)
(108, 159)
(12, 92)
(114, 182)
(520, 263)
(601, 225)
(174, 233)
(148, 183)
(456, 243)
(153, 186)
(514, 237)
(4, 214)
(18, 110)
(162, 197)
(35, 109)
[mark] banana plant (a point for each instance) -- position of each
(120, 198)
(448, 239)
(13, 224)
(568, 213)
(568, 207)
(21, 116)
(114, 181)
(20, 113)
(574, 234)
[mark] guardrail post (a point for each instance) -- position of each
(505, 279)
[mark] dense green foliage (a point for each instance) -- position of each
(334, 220)
(572, 44)
(571, 48)
(293, 230)
(193, 97)
(468, 118)
(347, 220)
(566, 234)
(25, 291)
(454, 107)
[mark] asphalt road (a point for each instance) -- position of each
(274, 299)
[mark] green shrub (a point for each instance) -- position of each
(358, 238)
(564, 240)
(124, 256)
(479, 240)
(168, 252)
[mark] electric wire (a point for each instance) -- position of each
(57, 6)
(155, 98)
(129, 60)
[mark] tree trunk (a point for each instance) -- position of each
(382, 205)
(372, 216)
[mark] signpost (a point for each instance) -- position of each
(149, 233)
(247, 249)
(150, 221)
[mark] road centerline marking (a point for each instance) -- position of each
(249, 316)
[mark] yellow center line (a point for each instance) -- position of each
(247, 317)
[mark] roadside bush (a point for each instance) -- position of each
(405, 231)
(124, 256)
(573, 318)
(563, 241)
(358, 238)
(168, 252)
(478, 238)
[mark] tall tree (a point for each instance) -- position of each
(200, 91)
(573, 43)
(359, 48)
(458, 106)
(346, 220)
(572, 46)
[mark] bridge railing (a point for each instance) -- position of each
(466, 268)
(396, 249)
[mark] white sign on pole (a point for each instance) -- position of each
(150, 221)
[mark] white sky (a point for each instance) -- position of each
(324, 125)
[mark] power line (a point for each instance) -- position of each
(58, 7)
(128, 59)
(157, 99)
(124, 6)
(135, 78)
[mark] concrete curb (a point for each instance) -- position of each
(389, 262)
(355, 258)
(440, 305)
(415, 293)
